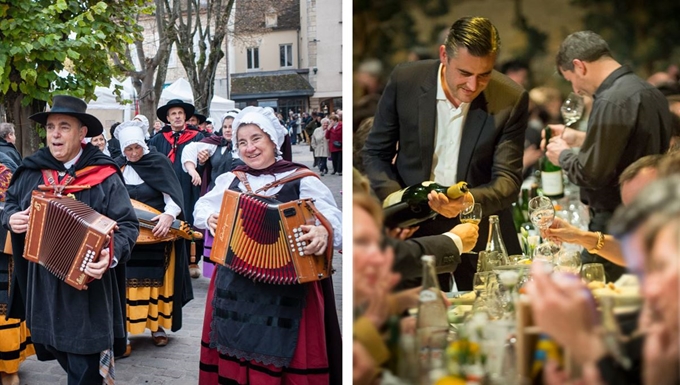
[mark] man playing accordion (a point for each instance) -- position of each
(78, 328)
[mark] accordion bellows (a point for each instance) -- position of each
(64, 235)
(258, 237)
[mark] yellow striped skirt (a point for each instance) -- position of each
(15, 344)
(151, 307)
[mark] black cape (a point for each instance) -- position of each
(156, 170)
(190, 192)
(81, 322)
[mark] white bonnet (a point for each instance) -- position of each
(265, 118)
(130, 133)
(230, 114)
(144, 120)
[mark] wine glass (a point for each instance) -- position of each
(542, 214)
(572, 109)
(593, 272)
(472, 215)
(480, 281)
(568, 261)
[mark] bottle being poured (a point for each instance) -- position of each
(409, 207)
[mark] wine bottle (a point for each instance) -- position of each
(409, 207)
(551, 174)
(432, 324)
(517, 216)
(495, 253)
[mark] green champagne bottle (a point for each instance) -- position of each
(551, 175)
(409, 207)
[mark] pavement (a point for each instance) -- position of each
(177, 363)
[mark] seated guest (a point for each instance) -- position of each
(648, 231)
(633, 179)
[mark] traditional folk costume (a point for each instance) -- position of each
(259, 333)
(172, 144)
(82, 329)
(222, 159)
(15, 339)
(53, 309)
(157, 275)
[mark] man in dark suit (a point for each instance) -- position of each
(454, 119)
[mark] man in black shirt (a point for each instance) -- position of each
(630, 119)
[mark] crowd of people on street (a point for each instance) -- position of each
(163, 188)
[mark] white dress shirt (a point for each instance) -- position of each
(448, 134)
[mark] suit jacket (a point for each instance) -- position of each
(491, 148)
(407, 255)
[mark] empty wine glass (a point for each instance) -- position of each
(572, 109)
(480, 281)
(546, 252)
(568, 261)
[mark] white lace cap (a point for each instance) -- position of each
(130, 133)
(265, 118)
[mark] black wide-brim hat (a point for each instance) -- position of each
(71, 106)
(201, 118)
(162, 112)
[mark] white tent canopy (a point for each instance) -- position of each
(107, 109)
(181, 89)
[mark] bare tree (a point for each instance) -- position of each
(200, 28)
(148, 79)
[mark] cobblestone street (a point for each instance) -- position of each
(176, 363)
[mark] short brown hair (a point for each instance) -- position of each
(633, 169)
(669, 165)
(477, 34)
(361, 196)
(586, 46)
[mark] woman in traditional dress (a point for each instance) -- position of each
(216, 154)
(157, 274)
(15, 340)
(99, 141)
(239, 344)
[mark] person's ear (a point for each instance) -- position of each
(443, 58)
(580, 67)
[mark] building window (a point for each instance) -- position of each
(253, 58)
(286, 55)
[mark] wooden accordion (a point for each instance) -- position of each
(258, 237)
(64, 235)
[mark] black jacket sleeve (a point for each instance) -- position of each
(407, 254)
